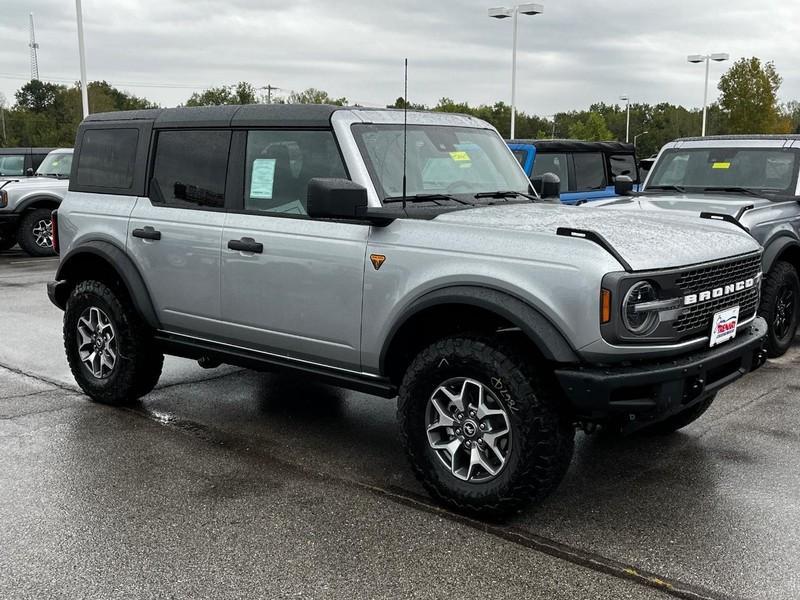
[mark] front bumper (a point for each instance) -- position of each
(8, 223)
(644, 393)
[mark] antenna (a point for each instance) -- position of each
(34, 55)
(405, 130)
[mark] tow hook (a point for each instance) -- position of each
(695, 388)
(761, 358)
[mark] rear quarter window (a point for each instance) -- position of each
(107, 158)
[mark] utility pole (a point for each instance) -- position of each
(269, 89)
(34, 54)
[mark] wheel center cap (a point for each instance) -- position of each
(470, 429)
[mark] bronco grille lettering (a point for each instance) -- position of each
(719, 292)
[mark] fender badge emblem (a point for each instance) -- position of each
(377, 260)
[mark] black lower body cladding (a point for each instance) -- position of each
(640, 394)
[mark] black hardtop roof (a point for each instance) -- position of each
(26, 150)
(711, 138)
(298, 115)
(576, 146)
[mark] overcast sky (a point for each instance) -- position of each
(576, 53)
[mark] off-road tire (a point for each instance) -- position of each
(781, 275)
(7, 243)
(25, 236)
(680, 420)
(542, 437)
(139, 363)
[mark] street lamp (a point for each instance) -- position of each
(637, 136)
(706, 58)
(514, 12)
(627, 101)
(82, 58)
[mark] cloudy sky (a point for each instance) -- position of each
(577, 52)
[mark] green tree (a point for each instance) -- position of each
(749, 96)
(241, 93)
(38, 96)
(314, 96)
(591, 128)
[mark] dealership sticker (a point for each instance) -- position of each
(460, 156)
(723, 327)
(721, 165)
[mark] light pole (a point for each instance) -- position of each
(82, 56)
(637, 136)
(706, 58)
(627, 100)
(514, 12)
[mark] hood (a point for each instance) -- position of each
(646, 241)
(727, 204)
(36, 183)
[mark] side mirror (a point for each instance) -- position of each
(336, 199)
(623, 185)
(29, 172)
(548, 186)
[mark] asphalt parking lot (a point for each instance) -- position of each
(233, 484)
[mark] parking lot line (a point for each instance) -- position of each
(34, 261)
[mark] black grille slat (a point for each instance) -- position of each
(699, 316)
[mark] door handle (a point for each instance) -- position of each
(147, 233)
(246, 245)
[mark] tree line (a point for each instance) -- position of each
(48, 114)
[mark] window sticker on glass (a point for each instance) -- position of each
(263, 178)
(721, 165)
(460, 156)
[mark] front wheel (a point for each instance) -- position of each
(35, 235)
(109, 351)
(482, 430)
(780, 306)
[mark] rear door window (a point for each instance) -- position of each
(590, 172)
(190, 168)
(546, 162)
(107, 158)
(12, 164)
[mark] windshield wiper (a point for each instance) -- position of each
(425, 198)
(669, 188)
(507, 194)
(736, 190)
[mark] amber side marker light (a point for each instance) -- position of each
(605, 306)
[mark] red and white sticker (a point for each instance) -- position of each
(723, 327)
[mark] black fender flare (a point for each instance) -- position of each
(26, 204)
(122, 265)
(775, 247)
(548, 339)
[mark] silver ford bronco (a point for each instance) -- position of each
(401, 255)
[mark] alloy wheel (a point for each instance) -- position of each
(43, 233)
(97, 342)
(784, 312)
(468, 429)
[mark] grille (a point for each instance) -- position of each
(699, 316)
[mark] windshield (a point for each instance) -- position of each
(56, 164)
(440, 160)
(771, 170)
(12, 164)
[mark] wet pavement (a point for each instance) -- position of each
(234, 484)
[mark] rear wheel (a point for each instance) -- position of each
(482, 430)
(108, 347)
(780, 306)
(35, 234)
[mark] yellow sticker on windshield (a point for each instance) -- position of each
(460, 156)
(721, 165)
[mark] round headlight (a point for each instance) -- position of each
(638, 321)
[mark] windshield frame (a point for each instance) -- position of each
(383, 194)
(793, 189)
